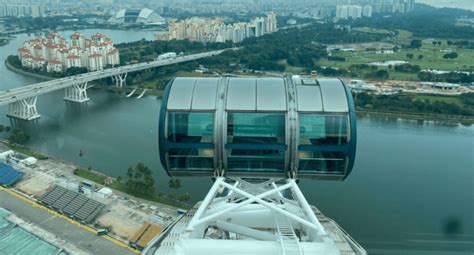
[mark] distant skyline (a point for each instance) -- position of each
(463, 4)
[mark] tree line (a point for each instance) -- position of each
(425, 21)
(409, 103)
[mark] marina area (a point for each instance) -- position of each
(51, 187)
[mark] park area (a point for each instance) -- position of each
(429, 56)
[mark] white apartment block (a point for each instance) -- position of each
(215, 30)
(20, 10)
(353, 11)
(55, 54)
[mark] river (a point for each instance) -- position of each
(411, 190)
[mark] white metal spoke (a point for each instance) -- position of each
(273, 207)
(250, 200)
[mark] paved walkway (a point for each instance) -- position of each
(76, 234)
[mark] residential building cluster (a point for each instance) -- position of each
(21, 10)
(353, 11)
(365, 8)
(215, 30)
(54, 53)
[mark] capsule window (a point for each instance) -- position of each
(322, 162)
(323, 129)
(256, 128)
(190, 127)
(191, 159)
(256, 142)
(263, 160)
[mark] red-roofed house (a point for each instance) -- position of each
(27, 61)
(38, 62)
(23, 51)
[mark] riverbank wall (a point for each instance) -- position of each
(28, 74)
(421, 116)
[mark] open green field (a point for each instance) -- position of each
(446, 99)
(403, 37)
(432, 59)
(290, 68)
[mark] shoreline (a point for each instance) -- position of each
(125, 213)
(27, 74)
(155, 92)
(29, 151)
(408, 116)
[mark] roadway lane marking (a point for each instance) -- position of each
(35, 204)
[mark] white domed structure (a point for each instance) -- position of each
(136, 16)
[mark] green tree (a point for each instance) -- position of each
(410, 56)
(184, 197)
(18, 137)
(416, 44)
(420, 57)
(140, 180)
(75, 70)
(451, 55)
(379, 74)
(174, 183)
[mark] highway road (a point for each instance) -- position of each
(17, 94)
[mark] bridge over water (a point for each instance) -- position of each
(22, 100)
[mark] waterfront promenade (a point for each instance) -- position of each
(75, 234)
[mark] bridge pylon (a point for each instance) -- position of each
(24, 109)
(120, 80)
(77, 93)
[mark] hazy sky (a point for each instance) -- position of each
(465, 4)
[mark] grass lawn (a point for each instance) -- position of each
(25, 151)
(402, 76)
(90, 175)
(432, 59)
(290, 68)
(403, 37)
(148, 85)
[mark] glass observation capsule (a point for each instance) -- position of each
(298, 127)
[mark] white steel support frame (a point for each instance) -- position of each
(255, 211)
(24, 109)
(76, 93)
(120, 80)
